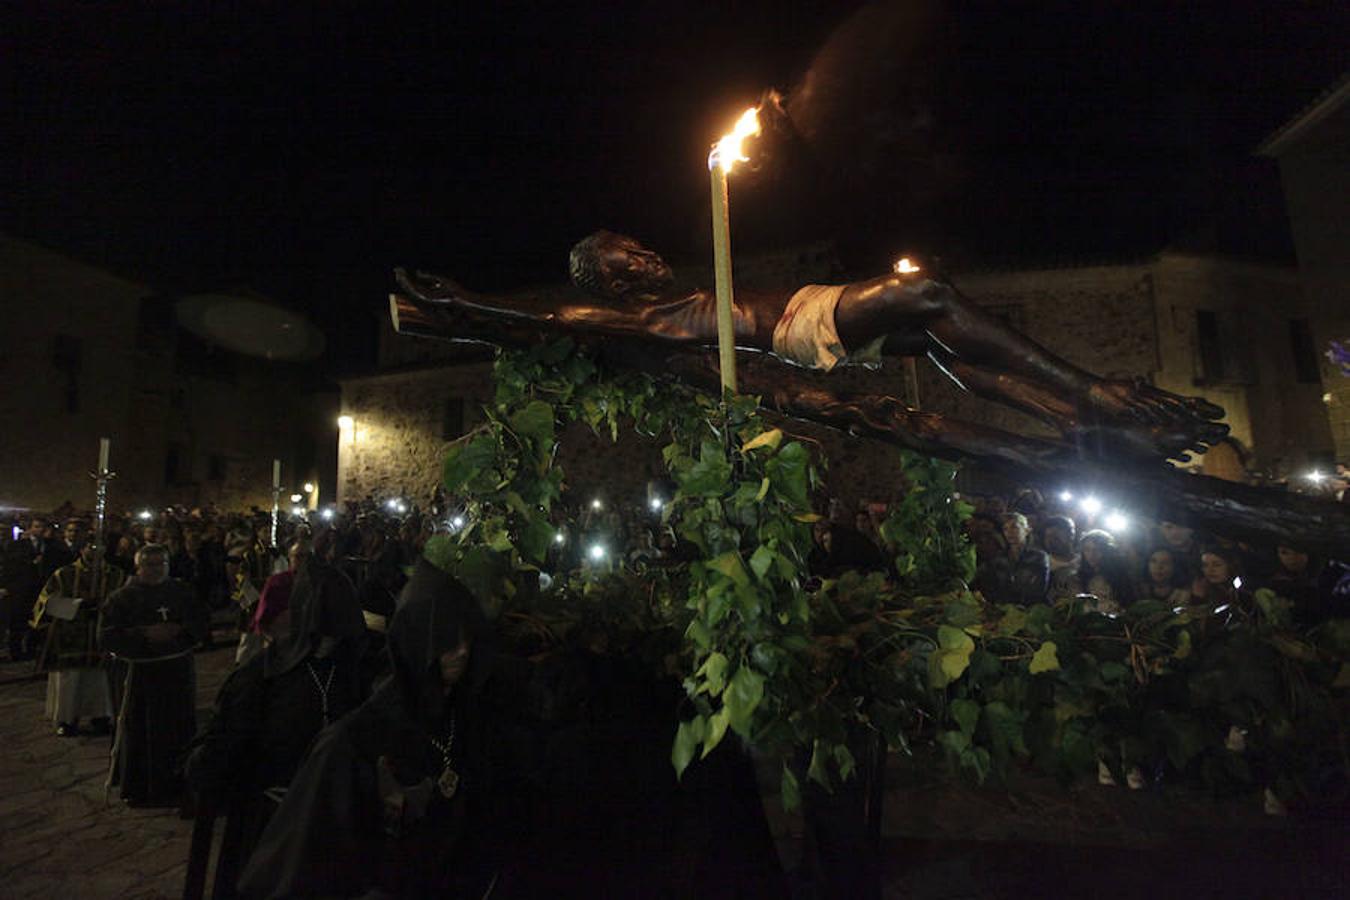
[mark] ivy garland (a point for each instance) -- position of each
(1236, 698)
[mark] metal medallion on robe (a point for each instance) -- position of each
(448, 783)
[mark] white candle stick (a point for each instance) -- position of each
(726, 153)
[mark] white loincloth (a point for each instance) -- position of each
(78, 694)
(805, 333)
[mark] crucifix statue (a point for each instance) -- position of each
(1114, 432)
(822, 326)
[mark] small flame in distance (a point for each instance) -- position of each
(904, 266)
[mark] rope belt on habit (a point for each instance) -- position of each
(119, 730)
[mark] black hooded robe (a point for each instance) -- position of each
(269, 711)
(335, 834)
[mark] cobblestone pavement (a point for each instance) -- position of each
(940, 839)
(57, 836)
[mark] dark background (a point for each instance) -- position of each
(305, 150)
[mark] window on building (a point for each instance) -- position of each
(1306, 366)
(1223, 349)
(452, 419)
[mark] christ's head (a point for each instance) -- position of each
(614, 267)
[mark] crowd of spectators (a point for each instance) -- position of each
(1030, 548)
(235, 568)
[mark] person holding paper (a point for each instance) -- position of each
(77, 684)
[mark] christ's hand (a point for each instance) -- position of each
(431, 288)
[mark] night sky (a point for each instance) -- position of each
(303, 151)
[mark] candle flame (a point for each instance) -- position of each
(903, 266)
(727, 151)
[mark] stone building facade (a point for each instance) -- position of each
(1313, 152)
(1195, 325)
(85, 354)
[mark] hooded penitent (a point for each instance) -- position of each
(435, 612)
(333, 834)
(323, 605)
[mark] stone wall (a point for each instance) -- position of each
(1315, 171)
(1280, 420)
(140, 381)
(398, 439)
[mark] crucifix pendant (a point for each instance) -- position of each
(448, 783)
(163, 613)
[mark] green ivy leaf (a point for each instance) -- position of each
(714, 673)
(536, 537)
(482, 570)
(710, 476)
(791, 793)
(441, 551)
(687, 738)
(787, 470)
(1040, 620)
(1005, 729)
(843, 758)
(717, 728)
(761, 560)
(699, 634)
(719, 604)
(1276, 609)
(1293, 648)
(954, 742)
(771, 439)
(816, 771)
(555, 352)
(729, 564)
(949, 661)
(1045, 659)
(1014, 619)
(742, 697)
(1114, 671)
(466, 459)
(963, 609)
(967, 715)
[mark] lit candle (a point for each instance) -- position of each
(726, 153)
(276, 473)
(104, 445)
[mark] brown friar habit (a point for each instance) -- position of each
(156, 686)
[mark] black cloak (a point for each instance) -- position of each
(338, 832)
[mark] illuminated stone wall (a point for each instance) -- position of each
(1314, 158)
